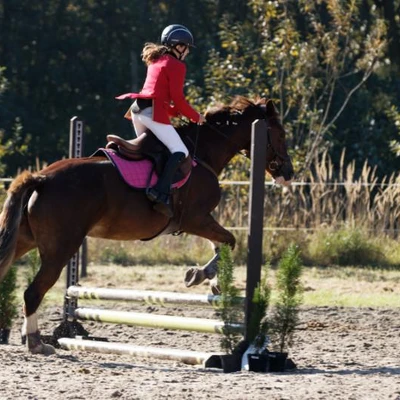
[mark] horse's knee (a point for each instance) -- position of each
(231, 242)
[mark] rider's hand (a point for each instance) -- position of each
(202, 119)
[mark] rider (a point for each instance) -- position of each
(153, 106)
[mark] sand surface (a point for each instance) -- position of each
(340, 353)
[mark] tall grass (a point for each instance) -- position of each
(333, 196)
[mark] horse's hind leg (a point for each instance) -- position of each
(52, 264)
(33, 296)
(212, 230)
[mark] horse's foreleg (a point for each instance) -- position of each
(195, 276)
(218, 235)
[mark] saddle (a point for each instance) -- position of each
(147, 146)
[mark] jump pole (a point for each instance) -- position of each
(185, 356)
(146, 296)
(75, 151)
(154, 320)
(256, 214)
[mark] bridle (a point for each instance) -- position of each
(272, 165)
(275, 165)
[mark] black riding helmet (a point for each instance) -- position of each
(177, 34)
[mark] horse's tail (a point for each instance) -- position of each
(10, 218)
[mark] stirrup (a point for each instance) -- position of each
(153, 195)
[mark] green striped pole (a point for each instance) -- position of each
(155, 320)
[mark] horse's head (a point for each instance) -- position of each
(236, 120)
(279, 164)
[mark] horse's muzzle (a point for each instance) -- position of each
(287, 171)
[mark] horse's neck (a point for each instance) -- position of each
(212, 149)
(216, 157)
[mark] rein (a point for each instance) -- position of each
(199, 160)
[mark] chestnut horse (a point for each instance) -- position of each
(53, 210)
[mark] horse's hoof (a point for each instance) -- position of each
(194, 276)
(44, 349)
(215, 288)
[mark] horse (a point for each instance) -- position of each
(40, 207)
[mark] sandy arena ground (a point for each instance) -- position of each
(341, 353)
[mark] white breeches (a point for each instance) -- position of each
(164, 132)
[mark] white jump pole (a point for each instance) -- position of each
(184, 356)
(146, 296)
(155, 320)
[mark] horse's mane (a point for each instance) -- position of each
(241, 103)
(238, 105)
(221, 112)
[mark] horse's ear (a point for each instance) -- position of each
(270, 107)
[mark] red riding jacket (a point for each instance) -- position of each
(164, 84)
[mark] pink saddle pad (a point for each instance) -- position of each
(137, 174)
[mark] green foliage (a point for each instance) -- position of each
(116, 255)
(393, 114)
(285, 316)
(33, 265)
(227, 306)
(14, 145)
(345, 246)
(8, 300)
(309, 56)
(3, 87)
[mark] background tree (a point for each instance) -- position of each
(310, 56)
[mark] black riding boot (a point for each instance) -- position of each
(160, 193)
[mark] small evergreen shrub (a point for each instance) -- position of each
(288, 285)
(8, 299)
(230, 313)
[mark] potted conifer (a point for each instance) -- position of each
(8, 304)
(229, 312)
(285, 316)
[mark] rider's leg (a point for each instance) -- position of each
(167, 135)
(137, 124)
